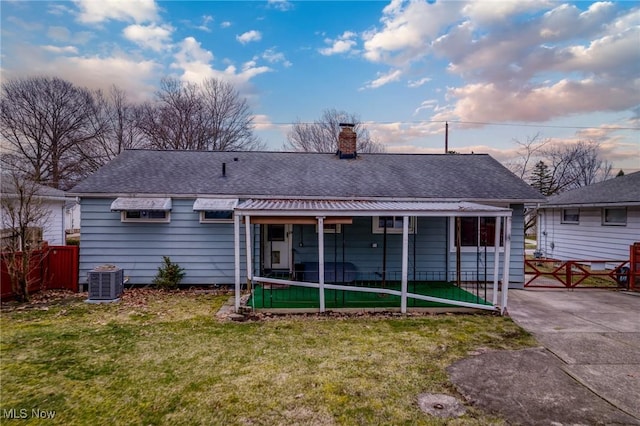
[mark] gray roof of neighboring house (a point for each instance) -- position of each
(622, 190)
(259, 174)
(46, 192)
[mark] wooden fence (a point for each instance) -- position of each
(52, 267)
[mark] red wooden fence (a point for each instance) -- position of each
(52, 267)
(634, 273)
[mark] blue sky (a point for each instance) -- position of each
(496, 70)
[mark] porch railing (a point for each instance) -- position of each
(370, 290)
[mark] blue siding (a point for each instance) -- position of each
(205, 251)
(355, 244)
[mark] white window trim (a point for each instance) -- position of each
(569, 222)
(205, 220)
(375, 229)
(604, 215)
(491, 248)
(125, 219)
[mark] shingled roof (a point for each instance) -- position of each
(622, 190)
(256, 174)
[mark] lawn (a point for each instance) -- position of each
(164, 358)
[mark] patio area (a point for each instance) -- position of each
(279, 296)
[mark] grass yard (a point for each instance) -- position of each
(164, 358)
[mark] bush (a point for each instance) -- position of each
(169, 274)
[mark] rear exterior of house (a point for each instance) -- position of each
(186, 205)
(597, 222)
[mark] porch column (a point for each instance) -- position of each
(236, 254)
(496, 260)
(507, 255)
(321, 261)
(249, 245)
(405, 264)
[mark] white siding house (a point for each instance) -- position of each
(52, 200)
(597, 222)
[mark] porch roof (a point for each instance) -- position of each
(259, 207)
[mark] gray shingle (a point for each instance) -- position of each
(620, 190)
(286, 174)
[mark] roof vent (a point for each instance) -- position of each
(347, 141)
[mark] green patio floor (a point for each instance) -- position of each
(290, 297)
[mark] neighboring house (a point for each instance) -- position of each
(72, 216)
(595, 222)
(207, 210)
(51, 201)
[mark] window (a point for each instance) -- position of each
(614, 216)
(161, 216)
(478, 231)
(215, 210)
(275, 233)
(334, 228)
(216, 216)
(570, 216)
(393, 224)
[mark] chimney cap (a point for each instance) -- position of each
(346, 125)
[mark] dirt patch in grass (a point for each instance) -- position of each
(164, 358)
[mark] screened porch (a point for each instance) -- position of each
(347, 279)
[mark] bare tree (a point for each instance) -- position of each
(210, 116)
(45, 123)
(322, 135)
(554, 168)
(23, 218)
(118, 118)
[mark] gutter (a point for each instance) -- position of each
(305, 197)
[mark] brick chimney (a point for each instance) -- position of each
(347, 141)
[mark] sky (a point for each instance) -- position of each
(497, 71)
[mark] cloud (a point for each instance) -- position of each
(225, 24)
(61, 49)
(391, 76)
(429, 104)
(131, 74)
(418, 83)
(407, 31)
(282, 5)
(490, 102)
(342, 44)
(93, 12)
(58, 33)
(272, 56)
(195, 64)
(204, 26)
(154, 37)
(249, 36)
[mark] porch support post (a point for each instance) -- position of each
(405, 264)
(496, 260)
(236, 254)
(321, 261)
(249, 245)
(507, 255)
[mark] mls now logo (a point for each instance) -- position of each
(15, 413)
(23, 413)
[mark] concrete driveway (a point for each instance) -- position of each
(586, 372)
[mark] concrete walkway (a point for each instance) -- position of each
(587, 372)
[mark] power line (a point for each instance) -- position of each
(485, 123)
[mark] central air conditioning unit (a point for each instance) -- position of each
(106, 283)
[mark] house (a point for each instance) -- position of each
(314, 220)
(595, 222)
(49, 203)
